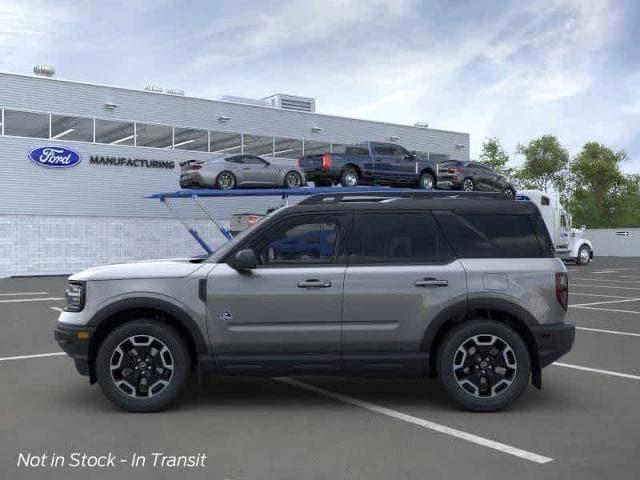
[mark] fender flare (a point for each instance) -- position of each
(164, 306)
(459, 312)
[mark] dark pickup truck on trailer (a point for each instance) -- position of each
(371, 163)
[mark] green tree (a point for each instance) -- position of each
(494, 156)
(545, 163)
(602, 195)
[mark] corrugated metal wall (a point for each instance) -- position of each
(615, 242)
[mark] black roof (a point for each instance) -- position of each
(472, 202)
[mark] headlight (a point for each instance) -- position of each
(74, 296)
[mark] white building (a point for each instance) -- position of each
(60, 220)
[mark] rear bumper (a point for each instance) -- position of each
(319, 174)
(553, 341)
(74, 345)
(193, 179)
(449, 181)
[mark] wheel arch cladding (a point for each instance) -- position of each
(118, 313)
(354, 167)
(502, 311)
(428, 170)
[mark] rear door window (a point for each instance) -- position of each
(397, 238)
(490, 235)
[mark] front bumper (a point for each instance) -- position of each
(74, 340)
(553, 341)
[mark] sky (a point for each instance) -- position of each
(512, 70)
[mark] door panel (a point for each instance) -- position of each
(388, 308)
(401, 274)
(292, 301)
(266, 311)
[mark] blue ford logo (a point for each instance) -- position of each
(55, 157)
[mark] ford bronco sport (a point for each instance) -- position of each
(417, 284)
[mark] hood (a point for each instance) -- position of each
(173, 268)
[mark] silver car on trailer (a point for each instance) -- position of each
(233, 171)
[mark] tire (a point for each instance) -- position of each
(167, 371)
(427, 181)
(225, 180)
(507, 371)
(349, 177)
(292, 180)
(584, 255)
(468, 185)
(510, 193)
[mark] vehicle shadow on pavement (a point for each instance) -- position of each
(256, 394)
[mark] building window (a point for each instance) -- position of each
(114, 133)
(287, 148)
(190, 139)
(157, 136)
(225, 142)
(71, 128)
(26, 124)
(257, 145)
(312, 147)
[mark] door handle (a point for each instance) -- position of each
(314, 283)
(431, 282)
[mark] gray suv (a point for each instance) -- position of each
(465, 288)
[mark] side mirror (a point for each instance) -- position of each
(245, 260)
(411, 157)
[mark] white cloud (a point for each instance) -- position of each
(294, 23)
(29, 25)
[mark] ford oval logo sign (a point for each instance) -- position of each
(55, 157)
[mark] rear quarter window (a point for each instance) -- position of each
(491, 235)
(357, 151)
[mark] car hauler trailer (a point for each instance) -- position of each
(569, 242)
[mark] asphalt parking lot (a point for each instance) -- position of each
(584, 423)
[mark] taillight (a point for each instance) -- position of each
(562, 289)
(196, 167)
(326, 161)
(252, 219)
(298, 162)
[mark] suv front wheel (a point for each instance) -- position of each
(483, 365)
(143, 365)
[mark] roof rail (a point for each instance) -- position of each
(386, 195)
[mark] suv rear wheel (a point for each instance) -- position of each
(468, 185)
(143, 365)
(483, 365)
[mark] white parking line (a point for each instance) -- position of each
(571, 292)
(606, 309)
(597, 370)
(38, 355)
(57, 309)
(606, 280)
(606, 301)
(17, 294)
(469, 437)
(602, 286)
(15, 300)
(615, 332)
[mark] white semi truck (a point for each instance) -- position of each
(569, 242)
